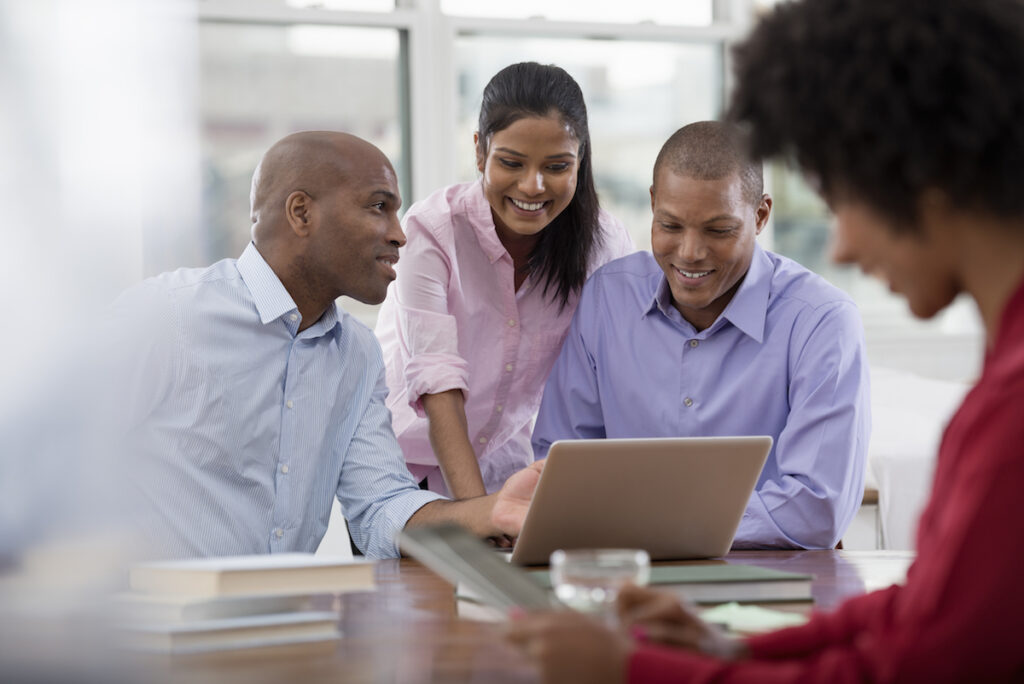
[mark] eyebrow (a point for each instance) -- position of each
(509, 150)
(387, 195)
(722, 217)
(719, 217)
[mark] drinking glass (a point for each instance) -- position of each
(588, 580)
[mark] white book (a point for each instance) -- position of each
(171, 608)
(233, 633)
(260, 575)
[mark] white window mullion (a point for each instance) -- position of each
(432, 100)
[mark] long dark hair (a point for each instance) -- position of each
(565, 247)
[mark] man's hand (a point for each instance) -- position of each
(659, 617)
(572, 647)
(512, 500)
(497, 516)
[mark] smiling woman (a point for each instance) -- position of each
(529, 177)
(489, 281)
(529, 172)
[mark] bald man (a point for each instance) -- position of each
(260, 400)
(710, 335)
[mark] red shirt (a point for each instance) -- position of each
(960, 615)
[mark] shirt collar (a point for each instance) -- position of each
(478, 209)
(748, 308)
(270, 296)
(661, 298)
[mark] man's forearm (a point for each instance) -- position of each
(501, 513)
(473, 514)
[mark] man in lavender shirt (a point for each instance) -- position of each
(712, 335)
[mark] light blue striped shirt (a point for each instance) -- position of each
(249, 428)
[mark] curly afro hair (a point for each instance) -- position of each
(881, 100)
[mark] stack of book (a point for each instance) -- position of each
(237, 603)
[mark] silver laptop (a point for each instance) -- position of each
(677, 498)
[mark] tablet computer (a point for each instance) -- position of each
(470, 564)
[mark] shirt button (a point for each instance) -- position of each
(284, 469)
(694, 343)
(688, 401)
(483, 440)
(511, 322)
(499, 408)
(293, 317)
(288, 403)
(508, 367)
(278, 533)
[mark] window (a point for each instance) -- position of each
(637, 94)
(346, 5)
(691, 12)
(260, 82)
(408, 76)
(948, 346)
(272, 67)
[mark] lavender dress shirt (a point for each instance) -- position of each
(453, 319)
(786, 359)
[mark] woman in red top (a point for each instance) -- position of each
(909, 118)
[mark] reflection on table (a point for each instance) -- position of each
(409, 630)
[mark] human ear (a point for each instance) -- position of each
(481, 157)
(652, 197)
(764, 210)
(298, 208)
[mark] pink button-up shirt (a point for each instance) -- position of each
(453, 319)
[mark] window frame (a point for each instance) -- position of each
(428, 87)
(426, 60)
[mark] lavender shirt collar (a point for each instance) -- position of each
(747, 310)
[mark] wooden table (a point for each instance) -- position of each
(408, 631)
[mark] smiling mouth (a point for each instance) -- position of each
(389, 261)
(693, 275)
(527, 206)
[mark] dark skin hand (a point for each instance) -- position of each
(571, 647)
(661, 618)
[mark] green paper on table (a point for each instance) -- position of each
(722, 582)
(710, 572)
(751, 619)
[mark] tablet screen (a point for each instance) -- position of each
(462, 559)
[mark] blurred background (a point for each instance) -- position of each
(130, 130)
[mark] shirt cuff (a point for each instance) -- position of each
(433, 374)
(758, 530)
(383, 542)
